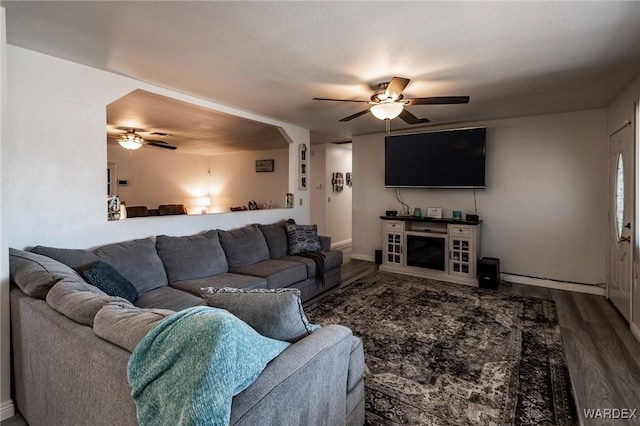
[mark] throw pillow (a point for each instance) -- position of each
(275, 313)
(192, 257)
(303, 238)
(107, 279)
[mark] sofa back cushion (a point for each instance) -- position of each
(136, 260)
(36, 274)
(244, 246)
(192, 257)
(78, 300)
(125, 325)
(275, 235)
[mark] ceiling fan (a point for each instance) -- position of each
(132, 140)
(388, 102)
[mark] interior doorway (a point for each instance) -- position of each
(332, 181)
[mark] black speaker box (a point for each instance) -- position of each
(489, 272)
(391, 213)
(378, 257)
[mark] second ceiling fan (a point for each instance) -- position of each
(388, 102)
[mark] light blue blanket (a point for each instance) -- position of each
(186, 370)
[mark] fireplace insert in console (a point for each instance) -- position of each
(426, 250)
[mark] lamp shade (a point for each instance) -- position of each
(386, 110)
(130, 141)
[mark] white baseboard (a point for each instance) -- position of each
(363, 257)
(7, 410)
(558, 285)
(341, 244)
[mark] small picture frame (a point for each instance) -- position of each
(288, 200)
(264, 166)
(434, 212)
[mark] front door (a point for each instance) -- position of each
(621, 219)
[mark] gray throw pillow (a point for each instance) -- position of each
(275, 313)
(36, 274)
(107, 279)
(192, 257)
(244, 246)
(303, 238)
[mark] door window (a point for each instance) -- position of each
(619, 194)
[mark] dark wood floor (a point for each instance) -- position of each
(603, 355)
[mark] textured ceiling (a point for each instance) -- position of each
(511, 58)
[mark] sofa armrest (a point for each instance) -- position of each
(325, 242)
(306, 381)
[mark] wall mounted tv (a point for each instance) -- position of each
(441, 159)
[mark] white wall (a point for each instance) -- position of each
(235, 182)
(339, 206)
(544, 208)
(318, 187)
(6, 405)
(54, 157)
(159, 176)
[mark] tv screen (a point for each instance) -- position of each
(442, 159)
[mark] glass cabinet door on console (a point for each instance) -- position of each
(393, 236)
(462, 251)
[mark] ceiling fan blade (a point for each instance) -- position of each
(160, 144)
(412, 119)
(439, 100)
(356, 115)
(396, 86)
(337, 100)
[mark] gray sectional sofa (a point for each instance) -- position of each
(71, 342)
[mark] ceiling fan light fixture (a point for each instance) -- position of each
(386, 110)
(130, 141)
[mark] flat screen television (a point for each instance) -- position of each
(441, 159)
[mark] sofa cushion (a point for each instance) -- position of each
(276, 237)
(137, 261)
(222, 280)
(277, 313)
(278, 273)
(78, 300)
(303, 238)
(332, 260)
(78, 259)
(125, 325)
(244, 246)
(36, 274)
(107, 279)
(168, 298)
(192, 257)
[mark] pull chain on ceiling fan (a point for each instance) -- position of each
(388, 102)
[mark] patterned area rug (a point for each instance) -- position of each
(445, 354)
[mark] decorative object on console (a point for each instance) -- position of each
(204, 203)
(252, 205)
(457, 215)
(391, 213)
(417, 212)
(434, 212)
(472, 217)
(264, 166)
(113, 207)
